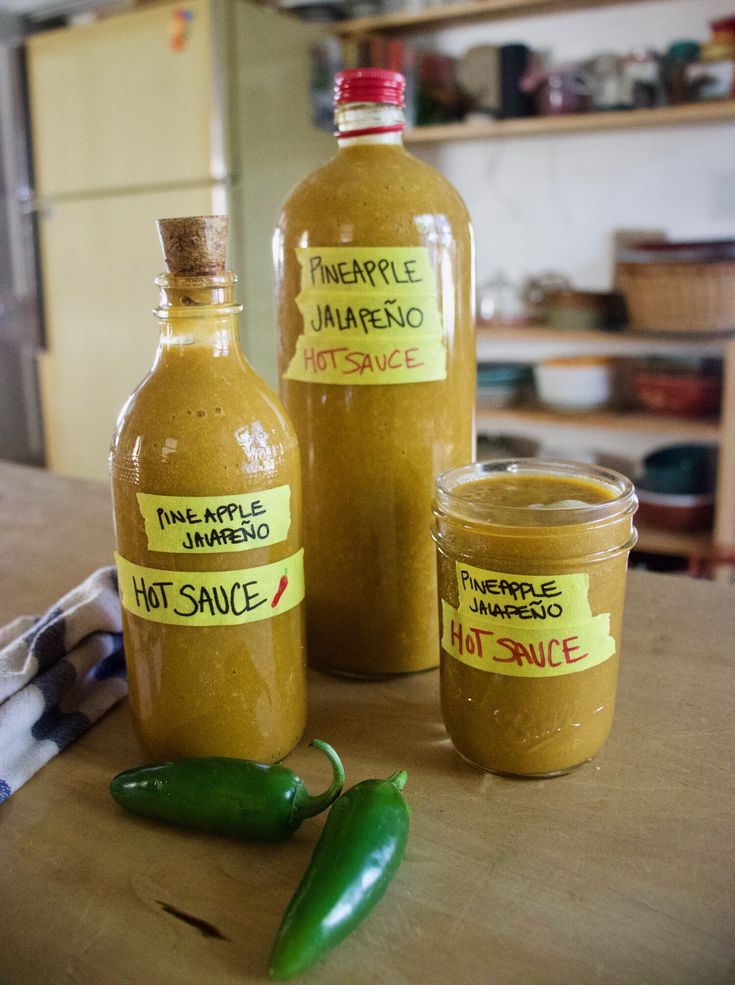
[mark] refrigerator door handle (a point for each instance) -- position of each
(15, 170)
(32, 400)
(35, 206)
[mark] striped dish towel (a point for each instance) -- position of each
(59, 673)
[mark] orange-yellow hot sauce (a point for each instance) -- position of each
(207, 492)
(532, 562)
(375, 246)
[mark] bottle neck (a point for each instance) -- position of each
(197, 314)
(369, 123)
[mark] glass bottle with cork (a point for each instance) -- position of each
(207, 501)
(374, 271)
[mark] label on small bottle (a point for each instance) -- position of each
(371, 316)
(211, 598)
(216, 524)
(525, 625)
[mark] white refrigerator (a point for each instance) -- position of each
(21, 331)
(163, 111)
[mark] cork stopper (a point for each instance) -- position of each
(195, 245)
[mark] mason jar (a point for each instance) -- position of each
(531, 559)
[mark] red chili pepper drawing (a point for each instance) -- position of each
(281, 588)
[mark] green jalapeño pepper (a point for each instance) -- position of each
(357, 855)
(230, 796)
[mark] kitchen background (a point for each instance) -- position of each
(153, 109)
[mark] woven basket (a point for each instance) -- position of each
(679, 297)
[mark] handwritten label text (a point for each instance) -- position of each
(216, 524)
(370, 316)
(525, 625)
(211, 598)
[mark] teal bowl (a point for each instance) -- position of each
(687, 469)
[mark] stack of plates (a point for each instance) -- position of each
(503, 384)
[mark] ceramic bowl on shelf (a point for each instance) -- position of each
(502, 384)
(682, 469)
(586, 310)
(680, 394)
(675, 512)
(583, 383)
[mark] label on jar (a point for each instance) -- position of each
(525, 625)
(371, 316)
(216, 524)
(211, 598)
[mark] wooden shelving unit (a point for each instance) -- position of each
(529, 343)
(654, 541)
(532, 344)
(687, 114)
(676, 428)
(449, 15)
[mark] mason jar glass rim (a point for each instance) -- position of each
(449, 499)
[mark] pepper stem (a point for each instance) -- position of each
(398, 779)
(311, 805)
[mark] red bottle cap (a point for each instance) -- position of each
(369, 85)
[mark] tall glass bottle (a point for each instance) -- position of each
(374, 269)
(207, 499)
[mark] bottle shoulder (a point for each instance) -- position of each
(207, 426)
(365, 183)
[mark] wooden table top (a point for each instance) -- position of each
(621, 872)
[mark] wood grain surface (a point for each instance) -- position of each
(621, 872)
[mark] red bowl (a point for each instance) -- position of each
(680, 394)
(676, 512)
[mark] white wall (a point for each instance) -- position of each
(552, 203)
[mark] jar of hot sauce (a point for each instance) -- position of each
(532, 558)
(374, 272)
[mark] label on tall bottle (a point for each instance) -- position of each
(371, 317)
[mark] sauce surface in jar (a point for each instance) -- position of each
(377, 361)
(207, 494)
(532, 560)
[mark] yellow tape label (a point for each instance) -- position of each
(370, 362)
(342, 314)
(525, 625)
(370, 317)
(211, 598)
(525, 651)
(516, 598)
(365, 268)
(216, 524)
